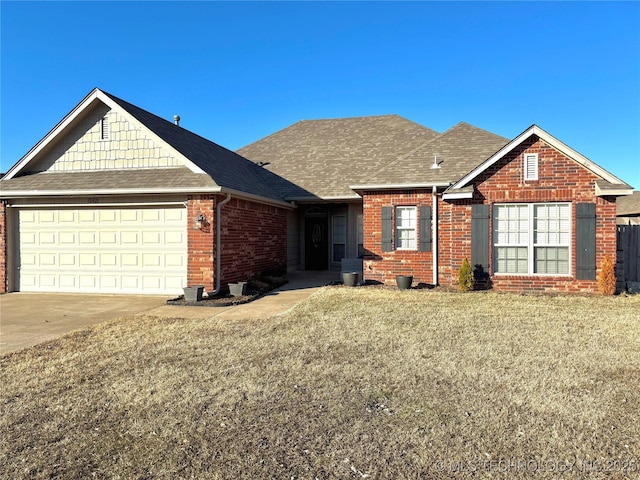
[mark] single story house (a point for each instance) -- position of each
(115, 199)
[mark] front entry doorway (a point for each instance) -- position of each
(316, 243)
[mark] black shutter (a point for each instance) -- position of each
(387, 231)
(586, 241)
(425, 229)
(480, 236)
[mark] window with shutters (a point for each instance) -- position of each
(531, 166)
(532, 238)
(406, 228)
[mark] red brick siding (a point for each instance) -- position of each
(254, 239)
(560, 179)
(3, 248)
(253, 235)
(384, 266)
(201, 242)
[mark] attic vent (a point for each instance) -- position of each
(531, 166)
(104, 128)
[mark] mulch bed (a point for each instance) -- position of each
(254, 290)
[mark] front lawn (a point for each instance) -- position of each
(353, 383)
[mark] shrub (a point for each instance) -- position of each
(607, 277)
(465, 276)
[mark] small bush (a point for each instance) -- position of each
(607, 277)
(465, 276)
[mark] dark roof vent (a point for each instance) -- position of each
(176, 119)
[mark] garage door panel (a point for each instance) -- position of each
(87, 216)
(107, 250)
(47, 238)
(108, 238)
(67, 216)
(67, 238)
(68, 281)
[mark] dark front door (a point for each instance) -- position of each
(316, 243)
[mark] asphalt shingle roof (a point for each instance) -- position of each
(458, 151)
(324, 157)
(629, 204)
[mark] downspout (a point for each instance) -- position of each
(218, 244)
(435, 235)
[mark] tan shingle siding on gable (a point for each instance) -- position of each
(82, 149)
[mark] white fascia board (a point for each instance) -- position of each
(257, 198)
(549, 139)
(106, 192)
(328, 198)
(457, 195)
(399, 186)
(87, 102)
(141, 191)
(616, 192)
(55, 131)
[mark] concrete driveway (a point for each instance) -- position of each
(30, 318)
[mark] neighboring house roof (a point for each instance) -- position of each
(629, 205)
(456, 151)
(608, 185)
(324, 157)
(208, 167)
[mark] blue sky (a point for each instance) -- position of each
(236, 72)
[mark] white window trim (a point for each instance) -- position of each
(531, 246)
(530, 159)
(414, 228)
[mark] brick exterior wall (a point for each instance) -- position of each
(253, 235)
(384, 266)
(560, 179)
(3, 248)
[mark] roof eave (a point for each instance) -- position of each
(552, 141)
(399, 186)
(8, 195)
(457, 195)
(620, 191)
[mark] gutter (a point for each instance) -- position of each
(435, 235)
(218, 244)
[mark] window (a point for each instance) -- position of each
(104, 128)
(406, 222)
(532, 238)
(360, 236)
(531, 166)
(339, 236)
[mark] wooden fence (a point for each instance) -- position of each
(628, 261)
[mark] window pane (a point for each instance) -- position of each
(338, 251)
(511, 260)
(406, 221)
(552, 260)
(552, 224)
(339, 229)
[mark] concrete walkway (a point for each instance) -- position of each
(27, 319)
(301, 286)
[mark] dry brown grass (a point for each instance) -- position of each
(353, 383)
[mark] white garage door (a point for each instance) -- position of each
(106, 250)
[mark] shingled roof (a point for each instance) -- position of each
(324, 157)
(208, 166)
(456, 152)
